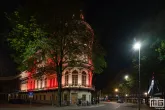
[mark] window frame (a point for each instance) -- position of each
(75, 78)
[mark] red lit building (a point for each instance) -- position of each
(76, 84)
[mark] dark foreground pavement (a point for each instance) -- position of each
(102, 106)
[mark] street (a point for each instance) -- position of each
(102, 106)
(119, 106)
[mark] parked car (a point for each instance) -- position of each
(120, 101)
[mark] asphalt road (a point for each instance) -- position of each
(119, 106)
(103, 106)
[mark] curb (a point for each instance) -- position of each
(78, 107)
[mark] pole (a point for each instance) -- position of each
(30, 102)
(139, 83)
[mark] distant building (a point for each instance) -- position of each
(8, 86)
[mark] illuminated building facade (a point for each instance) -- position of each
(76, 84)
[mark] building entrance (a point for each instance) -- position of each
(74, 98)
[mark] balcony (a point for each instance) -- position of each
(78, 86)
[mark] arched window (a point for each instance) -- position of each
(41, 83)
(75, 78)
(45, 82)
(84, 76)
(38, 84)
(31, 84)
(66, 78)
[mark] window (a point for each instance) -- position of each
(65, 97)
(36, 97)
(50, 82)
(40, 97)
(41, 83)
(55, 84)
(31, 84)
(83, 97)
(66, 78)
(38, 84)
(45, 82)
(75, 78)
(44, 97)
(84, 78)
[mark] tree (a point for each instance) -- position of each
(25, 32)
(126, 85)
(53, 47)
(152, 53)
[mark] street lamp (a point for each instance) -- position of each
(116, 90)
(137, 47)
(145, 93)
(126, 77)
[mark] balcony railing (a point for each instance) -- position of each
(78, 86)
(63, 86)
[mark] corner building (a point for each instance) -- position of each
(76, 84)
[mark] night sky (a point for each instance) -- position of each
(115, 22)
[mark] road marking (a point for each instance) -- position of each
(117, 107)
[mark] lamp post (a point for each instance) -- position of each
(137, 47)
(116, 90)
(146, 99)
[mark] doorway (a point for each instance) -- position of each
(73, 98)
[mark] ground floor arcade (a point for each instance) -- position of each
(51, 96)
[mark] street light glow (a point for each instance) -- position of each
(116, 90)
(137, 46)
(145, 93)
(126, 77)
(126, 95)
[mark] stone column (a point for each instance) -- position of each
(70, 78)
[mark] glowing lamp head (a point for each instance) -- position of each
(126, 77)
(145, 93)
(137, 46)
(116, 90)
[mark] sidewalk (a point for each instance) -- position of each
(76, 107)
(52, 107)
(142, 106)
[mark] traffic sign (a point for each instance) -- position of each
(30, 94)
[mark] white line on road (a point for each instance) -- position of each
(117, 107)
